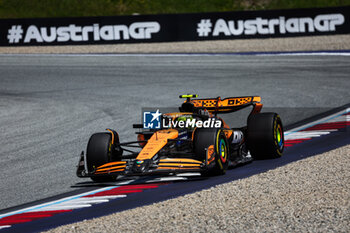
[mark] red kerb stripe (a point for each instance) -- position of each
(13, 221)
(29, 216)
(141, 186)
(295, 141)
(124, 190)
(114, 192)
(330, 125)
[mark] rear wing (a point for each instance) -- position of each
(227, 105)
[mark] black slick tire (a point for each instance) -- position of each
(99, 152)
(202, 140)
(265, 135)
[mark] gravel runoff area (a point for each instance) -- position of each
(310, 195)
(311, 43)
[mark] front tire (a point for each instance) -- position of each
(204, 138)
(99, 152)
(265, 136)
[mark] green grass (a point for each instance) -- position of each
(75, 8)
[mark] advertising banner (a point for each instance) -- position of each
(175, 27)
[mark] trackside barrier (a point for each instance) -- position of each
(175, 27)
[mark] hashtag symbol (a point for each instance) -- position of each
(204, 27)
(15, 34)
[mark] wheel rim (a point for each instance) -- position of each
(279, 136)
(222, 150)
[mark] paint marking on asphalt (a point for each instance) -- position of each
(67, 204)
(336, 117)
(317, 128)
(269, 53)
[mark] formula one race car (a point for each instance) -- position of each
(194, 139)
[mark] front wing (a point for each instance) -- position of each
(145, 167)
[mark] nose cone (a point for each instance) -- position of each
(158, 140)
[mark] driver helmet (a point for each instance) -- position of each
(184, 118)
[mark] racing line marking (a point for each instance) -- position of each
(271, 53)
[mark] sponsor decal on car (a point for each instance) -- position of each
(151, 120)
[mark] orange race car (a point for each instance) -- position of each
(194, 139)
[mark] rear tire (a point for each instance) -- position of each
(202, 140)
(265, 136)
(99, 152)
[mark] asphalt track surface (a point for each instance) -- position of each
(313, 136)
(50, 105)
